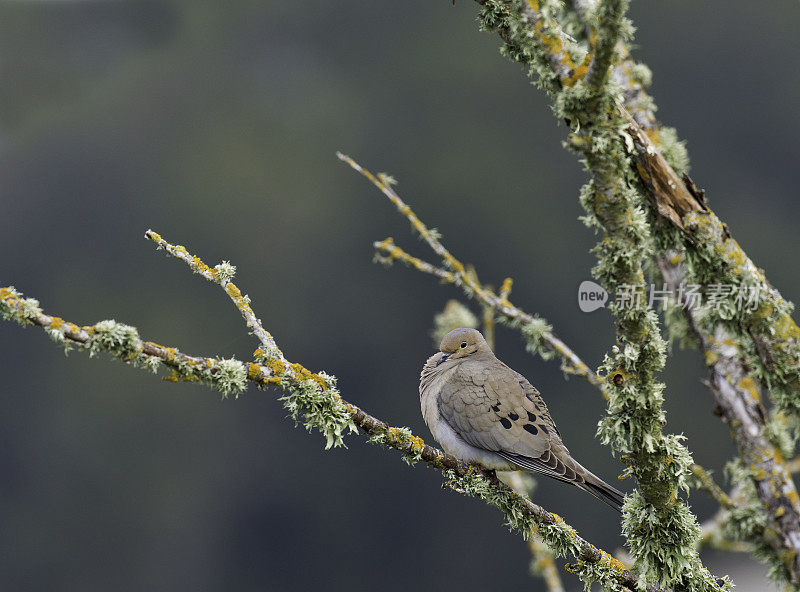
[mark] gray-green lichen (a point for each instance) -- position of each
(225, 271)
(231, 377)
(318, 406)
(119, 340)
(755, 314)
(616, 206)
(558, 536)
(749, 521)
(533, 333)
(16, 308)
(454, 316)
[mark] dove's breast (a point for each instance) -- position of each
(433, 379)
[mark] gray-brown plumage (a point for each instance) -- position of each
(482, 411)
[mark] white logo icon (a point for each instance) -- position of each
(591, 296)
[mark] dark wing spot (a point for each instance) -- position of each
(513, 416)
(529, 427)
(531, 416)
(506, 423)
(495, 408)
(544, 429)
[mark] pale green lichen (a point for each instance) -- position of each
(454, 316)
(230, 378)
(119, 340)
(673, 149)
(616, 206)
(749, 521)
(558, 536)
(400, 439)
(225, 271)
(763, 331)
(318, 407)
(13, 306)
(150, 363)
(534, 333)
(55, 335)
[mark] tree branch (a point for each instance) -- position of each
(314, 399)
(660, 463)
(739, 404)
(734, 386)
(535, 330)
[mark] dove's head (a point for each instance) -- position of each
(460, 343)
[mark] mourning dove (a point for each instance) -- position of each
(483, 412)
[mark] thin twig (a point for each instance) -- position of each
(222, 275)
(456, 273)
(708, 484)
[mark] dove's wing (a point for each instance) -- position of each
(493, 407)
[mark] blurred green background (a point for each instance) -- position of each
(215, 124)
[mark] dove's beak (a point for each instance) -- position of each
(442, 359)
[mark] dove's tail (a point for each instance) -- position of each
(602, 491)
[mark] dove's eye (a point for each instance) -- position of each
(463, 344)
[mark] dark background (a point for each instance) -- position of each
(216, 124)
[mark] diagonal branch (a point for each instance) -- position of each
(314, 396)
(221, 274)
(535, 330)
(739, 404)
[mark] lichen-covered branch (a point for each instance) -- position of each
(221, 274)
(733, 351)
(610, 19)
(706, 482)
(543, 562)
(538, 334)
(767, 337)
(739, 405)
(314, 400)
(661, 531)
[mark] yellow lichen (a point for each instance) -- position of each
(233, 291)
(253, 371)
(749, 385)
(56, 323)
(711, 357)
(173, 377)
(578, 73)
(278, 367)
(302, 373)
